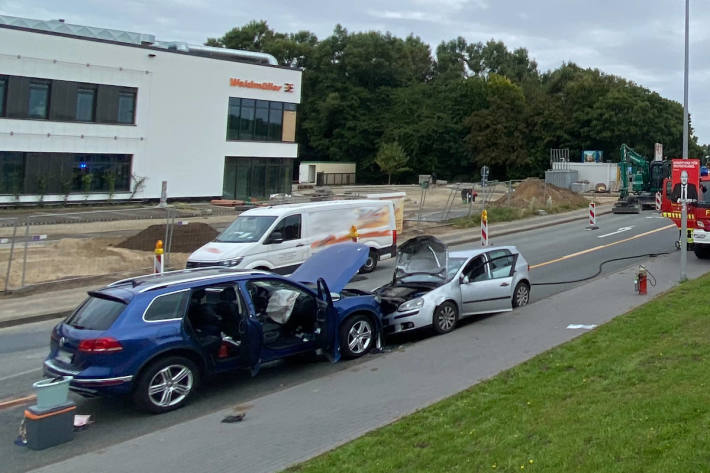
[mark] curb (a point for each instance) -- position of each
(34, 318)
(455, 241)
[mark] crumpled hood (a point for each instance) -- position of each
(216, 251)
(336, 264)
(421, 255)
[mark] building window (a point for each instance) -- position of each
(126, 107)
(64, 173)
(246, 121)
(38, 103)
(233, 119)
(12, 172)
(85, 104)
(3, 87)
(256, 178)
(260, 120)
(275, 120)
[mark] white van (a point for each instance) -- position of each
(279, 238)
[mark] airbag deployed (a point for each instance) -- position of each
(281, 305)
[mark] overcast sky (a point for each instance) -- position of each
(641, 40)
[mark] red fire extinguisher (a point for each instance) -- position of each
(641, 281)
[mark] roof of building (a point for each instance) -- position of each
(60, 27)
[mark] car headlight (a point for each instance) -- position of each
(232, 262)
(411, 305)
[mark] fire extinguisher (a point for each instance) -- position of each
(642, 280)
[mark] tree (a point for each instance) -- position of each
(392, 159)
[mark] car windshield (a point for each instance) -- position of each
(452, 267)
(246, 229)
(96, 313)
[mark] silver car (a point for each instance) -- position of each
(434, 287)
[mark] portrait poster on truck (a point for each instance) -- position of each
(685, 177)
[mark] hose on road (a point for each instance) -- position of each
(599, 271)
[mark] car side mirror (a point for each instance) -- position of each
(275, 238)
(462, 279)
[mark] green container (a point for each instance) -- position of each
(52, 392)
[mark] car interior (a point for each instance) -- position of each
(214, 314)
(287, 313)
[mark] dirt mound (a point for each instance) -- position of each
(186, 238)
(533, 192)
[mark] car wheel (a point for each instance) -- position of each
(521, 295)
(445, 317)
(357, 335)
(701, 252)
(166, 384)
(370, 264)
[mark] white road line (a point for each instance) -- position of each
(21, 373)
(621, 230)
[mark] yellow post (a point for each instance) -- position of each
(158, 265)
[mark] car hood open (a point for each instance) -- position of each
(421, 255)
(336, 264)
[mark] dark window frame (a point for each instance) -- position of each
(3, 93)
(47, 84)
(82, 87)
(244, 123)
(134, 95)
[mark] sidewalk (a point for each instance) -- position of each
(293, 425)
(58, 303)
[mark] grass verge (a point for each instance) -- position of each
(631, 396)
(507, 214)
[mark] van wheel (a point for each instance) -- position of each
(370, 264)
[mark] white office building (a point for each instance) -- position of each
(92, 114)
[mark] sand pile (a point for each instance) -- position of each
(79, 257)
(534, 192)
(186, 238)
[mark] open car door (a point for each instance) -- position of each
(326, 323)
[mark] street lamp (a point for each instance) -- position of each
(684, 205)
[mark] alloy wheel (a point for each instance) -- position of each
(170, 386)
(359, 337)
(446, 318)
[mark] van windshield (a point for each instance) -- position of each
(246, 229)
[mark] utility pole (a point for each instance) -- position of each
(684, 205)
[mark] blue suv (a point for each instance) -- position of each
(155, 337)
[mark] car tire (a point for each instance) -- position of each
(166, 384)
(357, 336)
(521, 294)
(445, 318)
(370, 264)
(701, 251)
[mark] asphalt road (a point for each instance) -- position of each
(547, 250)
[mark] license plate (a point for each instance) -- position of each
(63, 356)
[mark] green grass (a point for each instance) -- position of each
(507, 214)
(631, 396)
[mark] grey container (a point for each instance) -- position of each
(52, 392)
(49, 427)
(561, 177)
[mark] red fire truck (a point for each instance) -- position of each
(690, 182)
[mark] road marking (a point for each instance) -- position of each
(4, 378)
(581, 326)
(620, 230)
(17, 401)
(601, 247)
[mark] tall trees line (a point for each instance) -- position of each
(465, 106)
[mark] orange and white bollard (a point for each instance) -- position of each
(592, 216)
(484, 228)
(658, 201)
(158, 263)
